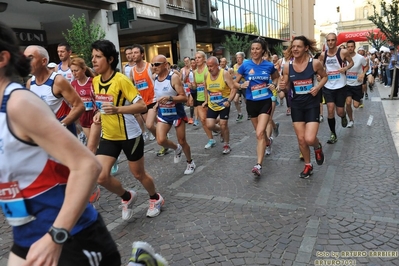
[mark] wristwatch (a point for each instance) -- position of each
(171, 98)
(59, 235)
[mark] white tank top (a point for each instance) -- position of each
(65, 73)
(128, 68)
(335, 80)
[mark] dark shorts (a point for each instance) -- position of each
(149, 107)
(89, 244)
(365, 78)
(305, 115)
(337, 96)
(133, 148)
(86, 119)
(198, 103)
(355, 92)
(224, 113)
(255, 108)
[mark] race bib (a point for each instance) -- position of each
(13, 204)
(351, 75)
(333, 75)
(142, 85)
(259, 91)
(201, 87)
(216, 97)
(168, 109)
(303, 86)
(87, 102)
(103, 98)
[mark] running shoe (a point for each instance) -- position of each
(307, 171)
(145, 136)
(321, 119)
(344, 121)
(239, 117)
(126, 206)
(226, 149)
(95, 196)
(371, 87)
(162, 152)
(275, 130)
(151, 137)
(268, 150)
(115, 168)
(366, 96)
(288, 113)
(248, 117)
(155, 207)
(144, 254)
(333, 139)
(257, 170)
(319, 155)
(211, 143)
(350, 124)
(215, 133)
(195, 123)
(178, 151)
(190, 168)
(191, 120)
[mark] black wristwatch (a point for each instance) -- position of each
(59, 235)
(170, 98)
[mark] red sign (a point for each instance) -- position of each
(358, 36)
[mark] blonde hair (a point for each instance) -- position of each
(79, 62)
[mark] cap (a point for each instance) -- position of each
(360, 49)
(391, 48)
(52, 65)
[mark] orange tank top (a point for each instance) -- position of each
(145, 84)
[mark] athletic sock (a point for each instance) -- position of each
(126, 196)
(155, 196)
(191, 111)
(331, 124)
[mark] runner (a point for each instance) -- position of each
(334, 90)
(64, 53)
(170, 94)
(117, 100)
(305, 103)
(258, 73)
(219, 95)
(354, 80)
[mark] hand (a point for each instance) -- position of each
(226, 104)
(109, 108)
(342, 70)
(204, 104)
(244, 85)
(282, 84)
(97, 118)
(314, 91)
(43, 252)
(163, 100)
(360, 77)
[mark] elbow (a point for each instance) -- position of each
(143, 108)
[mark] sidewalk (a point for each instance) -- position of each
(222, 215)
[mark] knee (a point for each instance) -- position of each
(260, 135)
(103, 178)
(182, 141)
(309, 140)
(161, 140)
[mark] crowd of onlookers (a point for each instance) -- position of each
(383, 68)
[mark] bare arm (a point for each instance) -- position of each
(229, 81)
(321, 72)
(32, 121)
(346, 57)
(62, 88)
(283, 83)
(178, 86)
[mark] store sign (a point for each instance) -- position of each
(31, 37)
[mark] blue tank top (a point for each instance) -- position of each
(301, 83)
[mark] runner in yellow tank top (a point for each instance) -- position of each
(219, 97)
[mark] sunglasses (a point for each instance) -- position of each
(157, 64)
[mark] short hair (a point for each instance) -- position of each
(66, 45)
(43, 52)
(141, 48)
(350, 41)
(128, 48)
(109, 51)
(213, 59)
(18, 63)
(241, 53)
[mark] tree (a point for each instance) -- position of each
(376, 40)
(251, 29)
(234, 44)
(82, 35)
(388, 23)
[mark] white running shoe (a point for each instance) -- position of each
(190, 168)
(145, 136)
(151, 137)
(126, 206)
(178, 151)
(226, 149)
(155, 207)
(268, 150)
(350, 124)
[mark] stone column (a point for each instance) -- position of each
(187, 41)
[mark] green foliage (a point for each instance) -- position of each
(82, 35)
(180, 64)
(278, 50)
(234, 44)
(251, 29)
(376, 40)
(388, 23)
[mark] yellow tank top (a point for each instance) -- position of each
(218, 91)
(235, 68)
